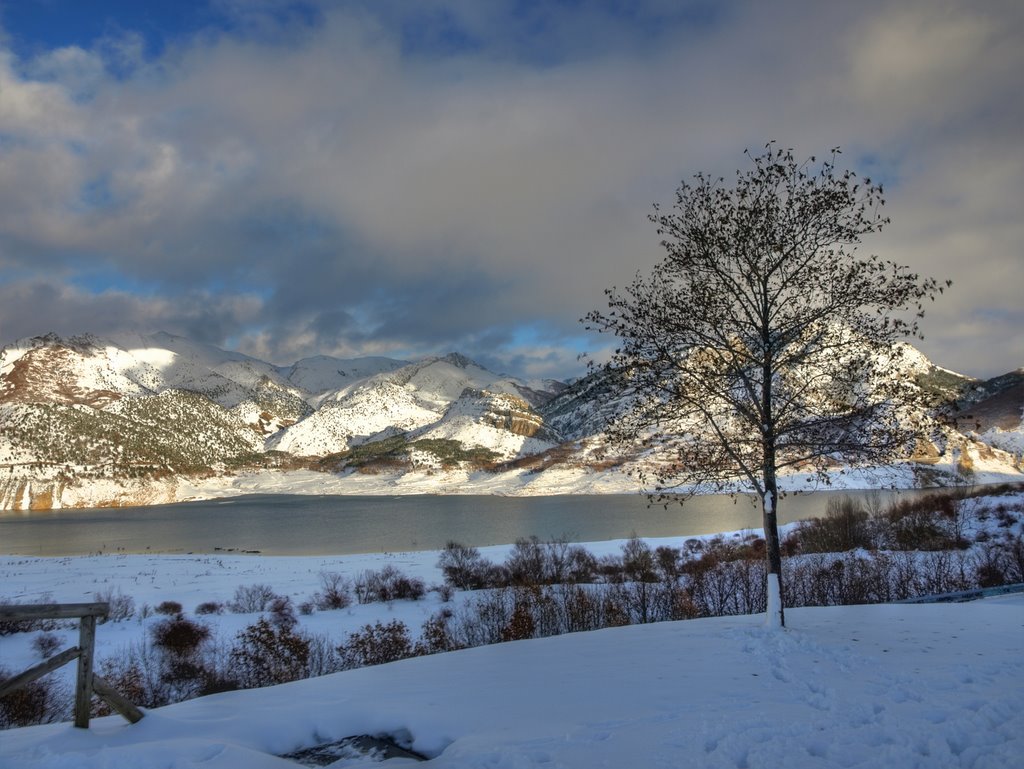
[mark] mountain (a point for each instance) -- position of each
(140, 419)
(122, 420)
(322, 374)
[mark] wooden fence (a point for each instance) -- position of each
(87, 682)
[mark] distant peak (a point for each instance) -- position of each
(457, 359)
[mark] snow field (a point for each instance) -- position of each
(862, 686)
(858, 686)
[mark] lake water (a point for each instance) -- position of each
(274, 524)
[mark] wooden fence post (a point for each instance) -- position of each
(87, 682)
(83, 686)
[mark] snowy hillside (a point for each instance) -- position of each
(90, 421)
(503, 423)
(378, 406)
(139, 419)
(320, 374)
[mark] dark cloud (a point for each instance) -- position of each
(363, 178)
(38, 306)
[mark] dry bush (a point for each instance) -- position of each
(210, 607)
(436, 634)
(12, 626)
(844, 527)
(323, 657)
(718, 585)
(609, 569)
(669, 563)
(520, 625)
(914, 524)
(45, 700)
(555, 562)
(376, 644)
(581, 566)
(444, 591)
(614, 612)
(581, 608)
(334, 592)
(46, 644)
(137, 672)
(122, 607)
(282, 613)
(250, 599)
(528, 564)
(833, 580)
(481, 620)
(128, 680)
(463, 567)
(638, 563)
(169, 608)
(388, 584)
(179, 636)
(264, 655)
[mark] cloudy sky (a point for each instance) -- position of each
(408, 178)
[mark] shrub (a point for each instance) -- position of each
(334, 592)
(388, 584)
(122, 606)
(932, 522)
(727, 579)
(152, 676)
(250, 599)
(445, 592)
(1000, 563)
(126, 677)
(668, 561)
(46, 644)
(844, 527)
(12, 626)
(532, 563)
(179, 636)
(482, 619)
(323, 657)
(580, 565)
(170, 608)
(520, 625)
(376, 644)
(210, 607)
(282, 613)
(43, 701)
(527, 563)
(265, 655)
(638, 561)
(581, 610)
(463, 567)
(436, 635)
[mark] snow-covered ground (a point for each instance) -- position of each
(513, 483)
(554, 480)
(859, 686)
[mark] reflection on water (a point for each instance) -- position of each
(321, 525)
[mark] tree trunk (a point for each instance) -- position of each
(775, 615)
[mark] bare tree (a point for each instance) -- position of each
(763, 341)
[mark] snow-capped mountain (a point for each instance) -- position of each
(377, 408)
(322, 374)
(503, 423)
(87, 421)
(137, 412)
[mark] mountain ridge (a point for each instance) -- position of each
(134, 419)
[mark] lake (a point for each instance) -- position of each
(279, 524)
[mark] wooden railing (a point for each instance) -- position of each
(87, 682)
